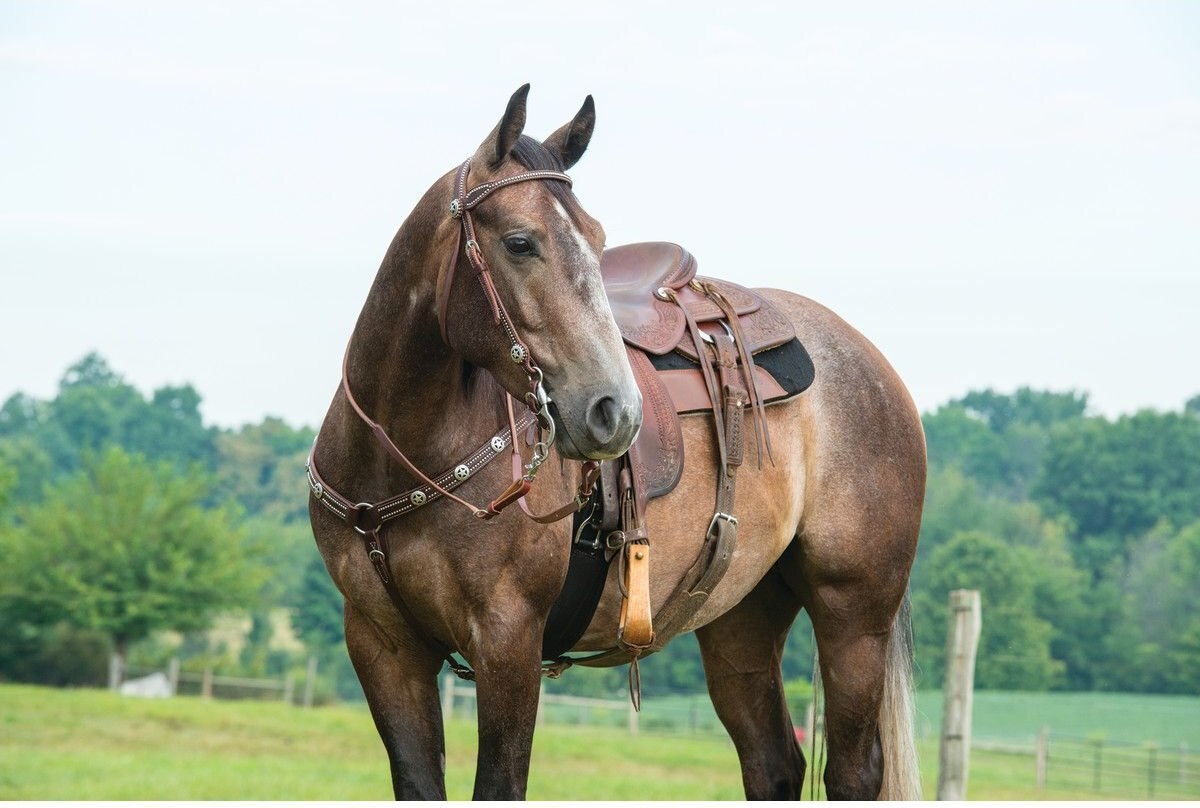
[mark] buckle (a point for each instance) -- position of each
(728, 517)
(615, 540)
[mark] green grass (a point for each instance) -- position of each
(1129, 717)
(89, 744)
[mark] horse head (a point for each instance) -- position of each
(540, 252)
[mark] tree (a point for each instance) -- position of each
(262, 466)
(1116, 480)
(1014, 648)
(999, 440)
(126, 548)
(1156, 644)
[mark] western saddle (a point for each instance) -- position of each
(692, 343)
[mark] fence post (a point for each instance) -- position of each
(206, 683)
(541, 707)
(633, 719)
(173, 675)
(289, 686)
(114, 672)
(310, 680)
(1041, 752)
(961, 644)
(448, 696)
(810, 721)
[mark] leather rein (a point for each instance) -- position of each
(368, 518)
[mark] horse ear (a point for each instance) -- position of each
(499, 143)
(570, 142)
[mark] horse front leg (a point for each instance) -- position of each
(399, 679)
(506, 650)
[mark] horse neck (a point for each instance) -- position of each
(403, 375)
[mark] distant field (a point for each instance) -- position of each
(1129, 717)
(87, 744)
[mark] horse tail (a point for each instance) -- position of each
(901, 776)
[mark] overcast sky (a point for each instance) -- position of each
(996, 194)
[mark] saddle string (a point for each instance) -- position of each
(710, 381)
(762, 433)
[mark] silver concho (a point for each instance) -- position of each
(497, 444)
(461, 472)
(518, 353)
(417, 498)
(456, 208)
(318, 490)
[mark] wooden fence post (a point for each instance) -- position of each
(206, 683)
(1041, 751)
(114, 672)
(961, 645)
(448, 697)
(541, 707)
(310, 680)
(633, 719)
(173, 675)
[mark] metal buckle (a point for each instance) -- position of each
(728, 517)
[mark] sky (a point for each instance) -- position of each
(997, 194)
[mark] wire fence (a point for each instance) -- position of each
(1100, 767)
(1122, 769)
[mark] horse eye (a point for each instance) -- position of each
(518, 245)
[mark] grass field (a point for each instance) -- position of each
(88, 744)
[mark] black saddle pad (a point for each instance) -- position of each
(789, 364)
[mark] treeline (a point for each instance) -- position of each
(1082, 534)
(128, 525)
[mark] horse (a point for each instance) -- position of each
(474, 311)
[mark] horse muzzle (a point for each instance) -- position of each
(602, 429)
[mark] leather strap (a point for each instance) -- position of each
(421, 495)
(635, 630)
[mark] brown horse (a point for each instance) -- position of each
(830, 527)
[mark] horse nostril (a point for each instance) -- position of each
(603, 420)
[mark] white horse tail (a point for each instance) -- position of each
(901, 775)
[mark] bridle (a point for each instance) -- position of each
(368, 518)
(536, 399)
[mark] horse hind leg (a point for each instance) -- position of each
(865, 657)
(742, 652)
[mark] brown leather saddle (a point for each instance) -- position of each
(693, 344)
(635, 278)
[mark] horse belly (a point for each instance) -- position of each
(767, 502)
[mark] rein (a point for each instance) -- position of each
(368, 518)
